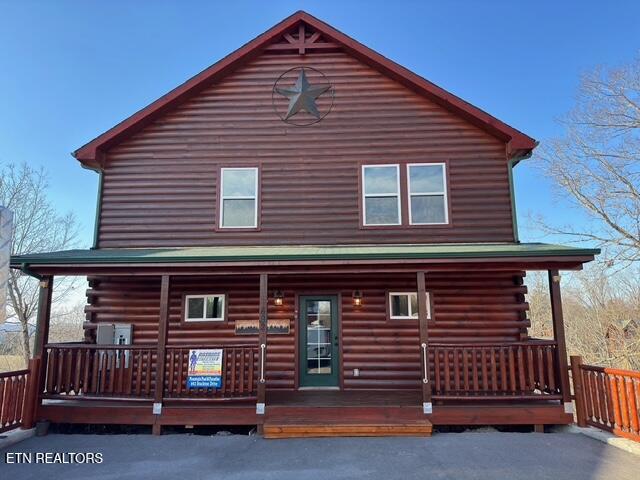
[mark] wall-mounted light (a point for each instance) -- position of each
(357, 298)
(277, 297)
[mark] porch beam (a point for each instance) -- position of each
(424, 343)
(262, 342)
(160, 352)
(558, 336)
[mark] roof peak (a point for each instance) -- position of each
(91, 154)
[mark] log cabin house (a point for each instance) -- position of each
(337, 230)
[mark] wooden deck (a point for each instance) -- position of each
(314, 413)
(332, 413)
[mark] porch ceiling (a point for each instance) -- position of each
(517, 255)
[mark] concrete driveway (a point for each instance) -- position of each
(458, 456)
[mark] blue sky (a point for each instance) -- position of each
(71, 70)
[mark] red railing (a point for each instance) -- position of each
(523, 371)
(239, 373)
(607, 398)
(128, 372)
(85, 371)
(17, 400)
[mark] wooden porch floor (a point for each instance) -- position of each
(315, 413)
(344, 398)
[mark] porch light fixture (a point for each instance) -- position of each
(277, 297)
(357, 298)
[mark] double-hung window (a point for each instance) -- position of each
(204, 308)
(381, 194)
(427, 194)
(239, 198)
(404, 306)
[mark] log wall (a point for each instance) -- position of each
(468, 307)
(160, 186)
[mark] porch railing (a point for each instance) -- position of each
(128, 372)
(85, 371)
(13, 401)
(239, 373)
(518, 371)
(607, 398)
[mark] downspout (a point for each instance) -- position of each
(96, 225)
(512, 192)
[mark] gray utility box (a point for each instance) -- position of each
(115, 334)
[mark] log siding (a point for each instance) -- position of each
(160, 185)
(467, 307)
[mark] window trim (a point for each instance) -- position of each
(444, 192)
(364, 197)
(404, 317)
(185, 302)
(222, 198)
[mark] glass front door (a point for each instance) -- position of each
(319, 347)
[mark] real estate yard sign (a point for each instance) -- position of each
(205, 369)
(6, 218)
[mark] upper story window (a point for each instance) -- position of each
(204, 308)
(239, 198)
(381, 194)
(427, 194)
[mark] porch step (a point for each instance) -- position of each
(297, 428)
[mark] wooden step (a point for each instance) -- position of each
(344, 428)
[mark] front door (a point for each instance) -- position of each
(319, 346)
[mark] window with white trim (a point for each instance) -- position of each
(239, 198)
(381, 194)
(204, 308)
(404, 306)
(427, 194)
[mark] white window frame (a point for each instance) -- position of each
(411, 194)
(204, 309)
(410, 316)
(380, 195)
(239, 197)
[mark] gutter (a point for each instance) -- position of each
(24, 268)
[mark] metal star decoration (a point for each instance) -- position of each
(302, 96)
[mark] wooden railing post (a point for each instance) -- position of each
(161, 352)
(262, 344)
(578, 391)
(427, 406)
(32, 395)
(558, 335)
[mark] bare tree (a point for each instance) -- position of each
(601, 314)
(37, 227)
(596, 165)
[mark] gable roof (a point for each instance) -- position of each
(518, 144)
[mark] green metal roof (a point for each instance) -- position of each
(301, 252)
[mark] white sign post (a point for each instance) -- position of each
(6, 219)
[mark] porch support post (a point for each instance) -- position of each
(427, 406)
(160, 353)
(262, 342)
(43, 319)
(558, 336)
(44, 315)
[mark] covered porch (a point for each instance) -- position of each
(457, 381)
